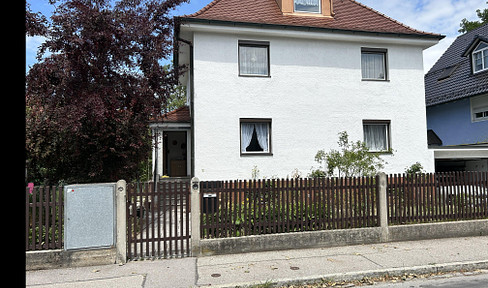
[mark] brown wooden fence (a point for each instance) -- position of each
(44, 218)
(159, 225)
(449, 196)
(238, 208)
(158, 219)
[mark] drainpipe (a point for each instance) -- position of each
(177, 23)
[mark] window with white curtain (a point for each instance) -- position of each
(311, 6)
(377, 135)
(373, 64)
(253, 58)
(255, 136)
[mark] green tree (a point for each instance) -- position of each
(175, 100)
(467, 26)
(353, 159)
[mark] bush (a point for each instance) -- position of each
(354, 159)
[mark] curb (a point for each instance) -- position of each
(350, 276)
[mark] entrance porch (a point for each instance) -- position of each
(171, 155)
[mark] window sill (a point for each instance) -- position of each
(256, 154)
(376, 80)
(480, 71)
(254, 76)
(479, 120)
(386, 152)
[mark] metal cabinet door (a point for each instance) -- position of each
(89, 216)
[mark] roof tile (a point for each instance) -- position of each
(348, 15)
(462, 82)
(180, 115)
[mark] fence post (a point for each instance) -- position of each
(381, 186)
(121, 220)
(195, 216)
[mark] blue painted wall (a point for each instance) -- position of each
(452, 123)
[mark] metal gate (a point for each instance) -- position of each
(158, 219)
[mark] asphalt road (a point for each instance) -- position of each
(446, 281)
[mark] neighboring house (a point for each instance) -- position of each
(456, 95)
(271, 82)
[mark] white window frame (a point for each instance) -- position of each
(387, 125)
(302, 11)
(375, 51)
(255, 121)
(479, 104)
(254, 44)
(484, 64)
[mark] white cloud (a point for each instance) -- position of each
(437, 16)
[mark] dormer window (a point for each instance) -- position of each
(315, 8)
(480, 58)
(308, 6)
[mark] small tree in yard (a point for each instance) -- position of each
(353, 159)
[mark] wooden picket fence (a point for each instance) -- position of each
(444, 196)
(44, 218)
(255, 207)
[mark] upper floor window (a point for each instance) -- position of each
(253, 58)
(479, 108)
(373, 64)
(480, 58)
(311, 6)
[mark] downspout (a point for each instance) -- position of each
(177, 23)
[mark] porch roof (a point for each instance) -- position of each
(180, 115)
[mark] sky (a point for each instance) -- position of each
(437, 16)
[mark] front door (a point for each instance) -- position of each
(175, 153)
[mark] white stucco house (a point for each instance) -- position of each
(271, 82)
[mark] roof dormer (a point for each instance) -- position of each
(306, 7)
(478, 51)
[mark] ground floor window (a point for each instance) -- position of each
(377, 135)
(255, 136)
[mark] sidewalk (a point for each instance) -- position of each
(338, 263)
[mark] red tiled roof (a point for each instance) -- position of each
(180, 115)
(348, 15)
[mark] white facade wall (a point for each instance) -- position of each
(314, 92)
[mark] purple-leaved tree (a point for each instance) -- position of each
(88, 103)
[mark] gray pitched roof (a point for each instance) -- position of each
(460, 81)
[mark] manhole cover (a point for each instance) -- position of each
(216, 275)
(294, 268)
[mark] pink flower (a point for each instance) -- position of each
(31, 187)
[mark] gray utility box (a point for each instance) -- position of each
(89, 216)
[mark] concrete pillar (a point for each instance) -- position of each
(121, 220)
(381, 186)
(195, 216)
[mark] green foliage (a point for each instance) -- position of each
(353, 159)
(415, 168)
(317, 173)
(177, 99)
(467, 26)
